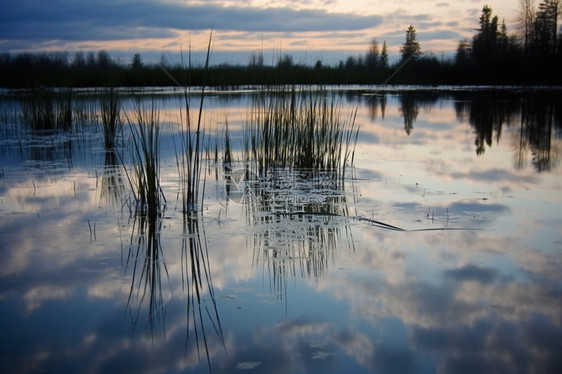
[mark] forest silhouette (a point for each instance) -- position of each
(532, 56)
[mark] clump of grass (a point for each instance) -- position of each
(301, 130)
(145, 177)
(110, 106)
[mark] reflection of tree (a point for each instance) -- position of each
(538, 121)
(410, 103)
(409, 110)
(537, 115)
(487, 116)
(374, 103)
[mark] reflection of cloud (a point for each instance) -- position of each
(476, 210)
(473, 272)
(111, 348)
(494, 175)
(306, 345)
(368, 138)
(367, 174)
(35, 297)
(470, 317)
(533, 345)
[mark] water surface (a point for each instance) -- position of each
(440, 251)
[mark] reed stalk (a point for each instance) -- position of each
(188, 154)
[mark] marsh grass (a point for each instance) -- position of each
(302, 129)
(201, 308)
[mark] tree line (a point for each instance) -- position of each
(532, 55)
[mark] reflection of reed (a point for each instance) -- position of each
(112, 182)
(145, 262)
(297, 217)
(148, 272)
(197, 283)
(47, 109)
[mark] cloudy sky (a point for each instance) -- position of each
(329, 30)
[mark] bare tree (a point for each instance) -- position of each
(526, 21)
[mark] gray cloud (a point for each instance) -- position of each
(109, 20)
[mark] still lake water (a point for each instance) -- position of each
(471, 282)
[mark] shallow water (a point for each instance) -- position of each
(442, 252)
